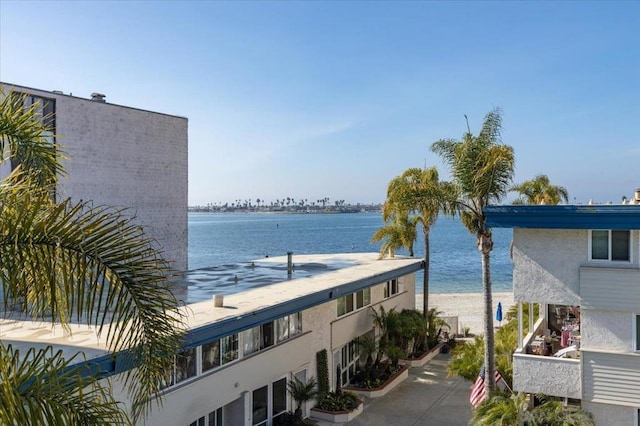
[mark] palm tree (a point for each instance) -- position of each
(419, 192)
(399, 233)
(482, 171)
(66, 261)
(302, 392)
(540, 191)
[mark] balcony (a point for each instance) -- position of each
(541, 366)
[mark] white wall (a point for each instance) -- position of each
(127, 158)
(547, 265)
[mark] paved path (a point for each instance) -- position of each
(427, 397)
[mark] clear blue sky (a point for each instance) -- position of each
(334, 99)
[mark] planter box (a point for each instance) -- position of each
(336, 416)
(419, 362)
(386, 387)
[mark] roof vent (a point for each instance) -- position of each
(58, 92)
(98, 97)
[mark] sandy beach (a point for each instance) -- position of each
(468, 307)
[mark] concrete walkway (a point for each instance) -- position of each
(427, 397)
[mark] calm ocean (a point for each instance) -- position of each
(217, 239)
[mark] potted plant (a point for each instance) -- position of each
(301, 392)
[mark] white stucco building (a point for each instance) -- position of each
(239, 356)
(123, 157)
(581, 264)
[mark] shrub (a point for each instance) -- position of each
(345, 401)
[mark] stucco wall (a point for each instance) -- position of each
(604, 414)
(127, 158)
(607, 330)
(547, 265)
(548, 375)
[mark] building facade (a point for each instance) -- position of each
(242, 349)
(581, 266)
(123, 157)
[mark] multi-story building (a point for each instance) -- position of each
(581, 265)
(242, 348)
(120, 156)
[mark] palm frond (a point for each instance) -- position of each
(42, 387)
(69, 262)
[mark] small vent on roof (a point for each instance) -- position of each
(98, 97)
(58, 92)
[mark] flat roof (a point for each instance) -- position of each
(317, 279)
(599, 216)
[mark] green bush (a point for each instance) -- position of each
(344, 401)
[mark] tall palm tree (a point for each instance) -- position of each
(482, 171)
(399, 232)
(66, 261)
(539, 190)
(418, 192)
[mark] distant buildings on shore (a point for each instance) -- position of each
(301, 206)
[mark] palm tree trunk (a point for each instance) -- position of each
(425, 278)
(485, 245)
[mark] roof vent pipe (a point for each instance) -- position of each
(289, 263)
(98, 97)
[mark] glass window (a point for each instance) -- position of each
(210, 355)
(282, 328)
(611, 245)
(363, 298)
(267, 335)
(279, 404)
(342, 306)
(391, 288)
(620, 243)
(295, 323)
(637, 324)
(349, 299)
(260, 405)
(185, 365)
(251, 340)
(600, 245)
(215, 418)
(229, 348)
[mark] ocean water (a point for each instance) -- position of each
(221, 238)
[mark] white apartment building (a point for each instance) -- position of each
(123, 157)
(581, 264)
(242, 348)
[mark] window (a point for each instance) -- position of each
(391, 288)
(636, 331)
(185, 365)
(610, 245)
(251, 340)
(295, 324)
(229, 348)
(211, 355)
(219, 352)
(347, 359)
(260, 405)
(279, 400)
(363, 298)
(282, 329)
(267, 335)
(347, 303)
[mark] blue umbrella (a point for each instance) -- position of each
(499, 313)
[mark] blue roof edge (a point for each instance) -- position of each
(623, 217)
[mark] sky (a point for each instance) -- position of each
(334, 99)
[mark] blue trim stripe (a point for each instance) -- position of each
(620, 217)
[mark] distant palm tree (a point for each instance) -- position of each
(539, 190)
(399, 233)
(420, 193)
(482, 170)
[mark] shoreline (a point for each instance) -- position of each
(468, 307)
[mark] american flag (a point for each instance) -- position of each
(478, 393)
